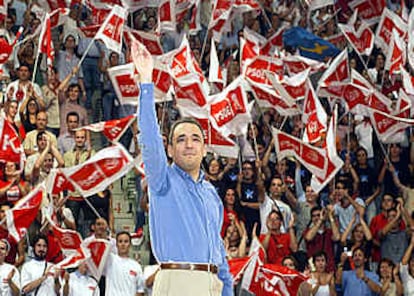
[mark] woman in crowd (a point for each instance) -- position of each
(322, 282)
(12, 187)
(390, 280)
(28, 111)
(232, 209)
(235, 240)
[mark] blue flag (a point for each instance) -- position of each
(309, 45)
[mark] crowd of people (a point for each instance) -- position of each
(354, 237)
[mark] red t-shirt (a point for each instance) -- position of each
(279, 247)
(322, 241)
(226, 221)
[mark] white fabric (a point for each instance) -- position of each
(407, 280)
(33, 270)
(82, 285)
(267, 206)
(364, 131)
(123, 276)
(149, 270)
(5, 270)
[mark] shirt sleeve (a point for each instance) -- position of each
(152, 148)
(224, 274)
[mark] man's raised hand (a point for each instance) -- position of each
(142, 60)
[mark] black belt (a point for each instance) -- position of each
(190, 266)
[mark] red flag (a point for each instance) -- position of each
(5, 50)
(166, 16)
(361, 40)
(150, 40)
(69, 240)
(58, 17)
(73, 260)
(389, 22)
(314, 116)
(256, 71)
(396, 55)
(90, 31)
(125, 86)
(111, 30)
(293, 87)
(237, 267)
(408, 81)
(337, 72)
(215, 74)
(112, 129)
(3, 9)
(296, 64)
(229, 111)
(189, 91)
(57, 182)
(19, 218)
(99, 15)
(99, 251)
(369, 10)
(161, 78)
(45, 42)
(274, 42)
(11, 147)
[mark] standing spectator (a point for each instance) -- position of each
(250, 188)
(37, 276)
(9, 275)
(76, 202)
(50, 95)
(276, 244)
(319, 237)
(123, 274)
(109, 99)
(358, 281)
(10, 110)
(232, 209)
(66, 141)
(28, 112)
(321, 281)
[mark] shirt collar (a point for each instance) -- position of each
(186, 175)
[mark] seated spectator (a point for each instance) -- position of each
(357, 281)
(318, 237)
(389, 278)
(276, 244)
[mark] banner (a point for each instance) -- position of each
(111, 30)
(125, 86)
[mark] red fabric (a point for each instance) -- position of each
(226, 221)
(322, 242)
(54, 252)
(278, 247)
(13, 194)
(11, 257)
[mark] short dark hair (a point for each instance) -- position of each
(72, 113)
(315, 208)
(181, 121)
(319, 253)
(40, 135)
(38, 237)
(123, 233)
(279, 214)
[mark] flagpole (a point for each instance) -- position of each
(42, 33)
(86, 52)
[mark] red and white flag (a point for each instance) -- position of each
(57, 182)
(311, 157)
(101, 170)
(126, 88)
(89, 31)
(112, 129)
(215, 74)
(362, 40)
(389, 22)
(408, 81)
(334, 162)
(337, 72)
(295, 64)
(21, 216)
(11, 149)
(237, 267)
(69, 240)
(162, 80)
(111, 30)
(58, 17)
(51, 5)
(45, 42)
(189, 92)
(293, 88)
(3, 9)
(150, 40)
(368, 10)
(396, 55)
(99, 250)
(316, 4)
(166, 16)
(229, 110)
(256, 70)
(74, 260)
(410, 35)
(221, 15)
(314, 116)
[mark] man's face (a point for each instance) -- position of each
(320, 263)
(40, 249)
(187, 148)
(80, 138)
(274, 222)
(123, 243)
(100, 227)
(41, 121)
(41, 142)
(248, 172)
(23, 73)
(70, 42)
(276, 187)
(359, 258)
(72, 122)
(310, 194)
(73, 93)
(48, 162)
(387, 202)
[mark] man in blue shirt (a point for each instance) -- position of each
(185, 211)
(358, 281)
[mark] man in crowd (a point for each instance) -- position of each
(66, 141)
(123, 274)
(30, 142)
(188, 245)
(38, 278)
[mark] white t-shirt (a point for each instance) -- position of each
(407, 280)
(267, 206)
(81, 285)
(33, 270)
(123, 277)
(5, 270)
(345, 214)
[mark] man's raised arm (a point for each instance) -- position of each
(152, 148)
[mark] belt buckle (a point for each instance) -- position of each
(192, 267)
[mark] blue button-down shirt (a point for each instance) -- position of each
(185, 215)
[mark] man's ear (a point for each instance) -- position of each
(169, 151)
